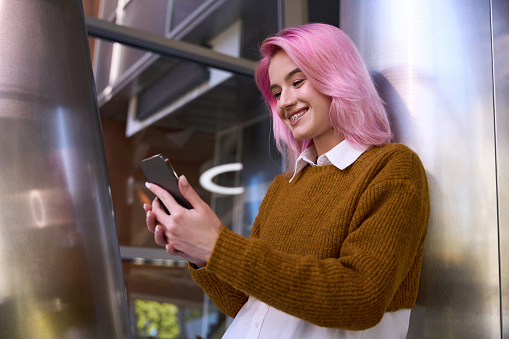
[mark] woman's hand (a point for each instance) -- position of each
(191, 233)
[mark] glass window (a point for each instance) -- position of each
(227, 124)
(199, 117)
(176, 310)
(182, 9)
(108, 9)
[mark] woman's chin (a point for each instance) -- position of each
(300, 136)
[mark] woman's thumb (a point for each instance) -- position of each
(189, 193)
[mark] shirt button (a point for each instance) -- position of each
(256, 325)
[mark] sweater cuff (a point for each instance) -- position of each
(195, 267)
(228, 254)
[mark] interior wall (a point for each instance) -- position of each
(446, 94)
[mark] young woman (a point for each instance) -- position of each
(337, 246)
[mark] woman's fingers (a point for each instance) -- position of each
(190, 233)
(190, 194)
(169, 201)
(151, 220)
(159, 236)
(172, 251)
(171, 204)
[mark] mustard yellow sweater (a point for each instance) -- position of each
(335, 248)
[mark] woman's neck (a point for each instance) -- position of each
(324, 145)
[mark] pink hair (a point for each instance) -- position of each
(332, 65)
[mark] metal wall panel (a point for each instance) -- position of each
(432, 62)
(60, 268)
(500, 14)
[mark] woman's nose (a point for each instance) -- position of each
(286, 99)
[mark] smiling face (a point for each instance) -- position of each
(302, 108)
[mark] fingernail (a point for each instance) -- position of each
(147, 185)
(158, 229)
(148, 214)
(184, 180)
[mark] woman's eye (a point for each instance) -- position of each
(277, 95)
(297, 83)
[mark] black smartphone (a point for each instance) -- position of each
(159, 171)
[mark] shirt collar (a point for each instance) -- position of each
(342, 155)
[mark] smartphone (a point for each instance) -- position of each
(159, 171)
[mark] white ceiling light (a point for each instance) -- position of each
(207, 176)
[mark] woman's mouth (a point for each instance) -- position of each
(298, 115)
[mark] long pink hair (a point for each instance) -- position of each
(332, 65)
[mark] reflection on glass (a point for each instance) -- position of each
(225, 123)
(169, 321)
(182, 9)
(157, 320)
(37, 207)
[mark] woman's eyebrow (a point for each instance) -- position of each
(288, 76)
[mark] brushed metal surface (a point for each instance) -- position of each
(432, 62)
(60, 268)
(500, 15)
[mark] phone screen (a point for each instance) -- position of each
(159, 171)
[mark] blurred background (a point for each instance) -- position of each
(441, 67)
(200, 117)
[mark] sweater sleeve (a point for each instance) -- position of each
(228, 299)
(350, 292)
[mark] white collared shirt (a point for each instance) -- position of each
(257, 320)
(342, 155)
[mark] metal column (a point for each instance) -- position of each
(60, 268)
(432, 62)
(500, 28)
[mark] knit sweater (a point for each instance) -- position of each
(337, 248)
